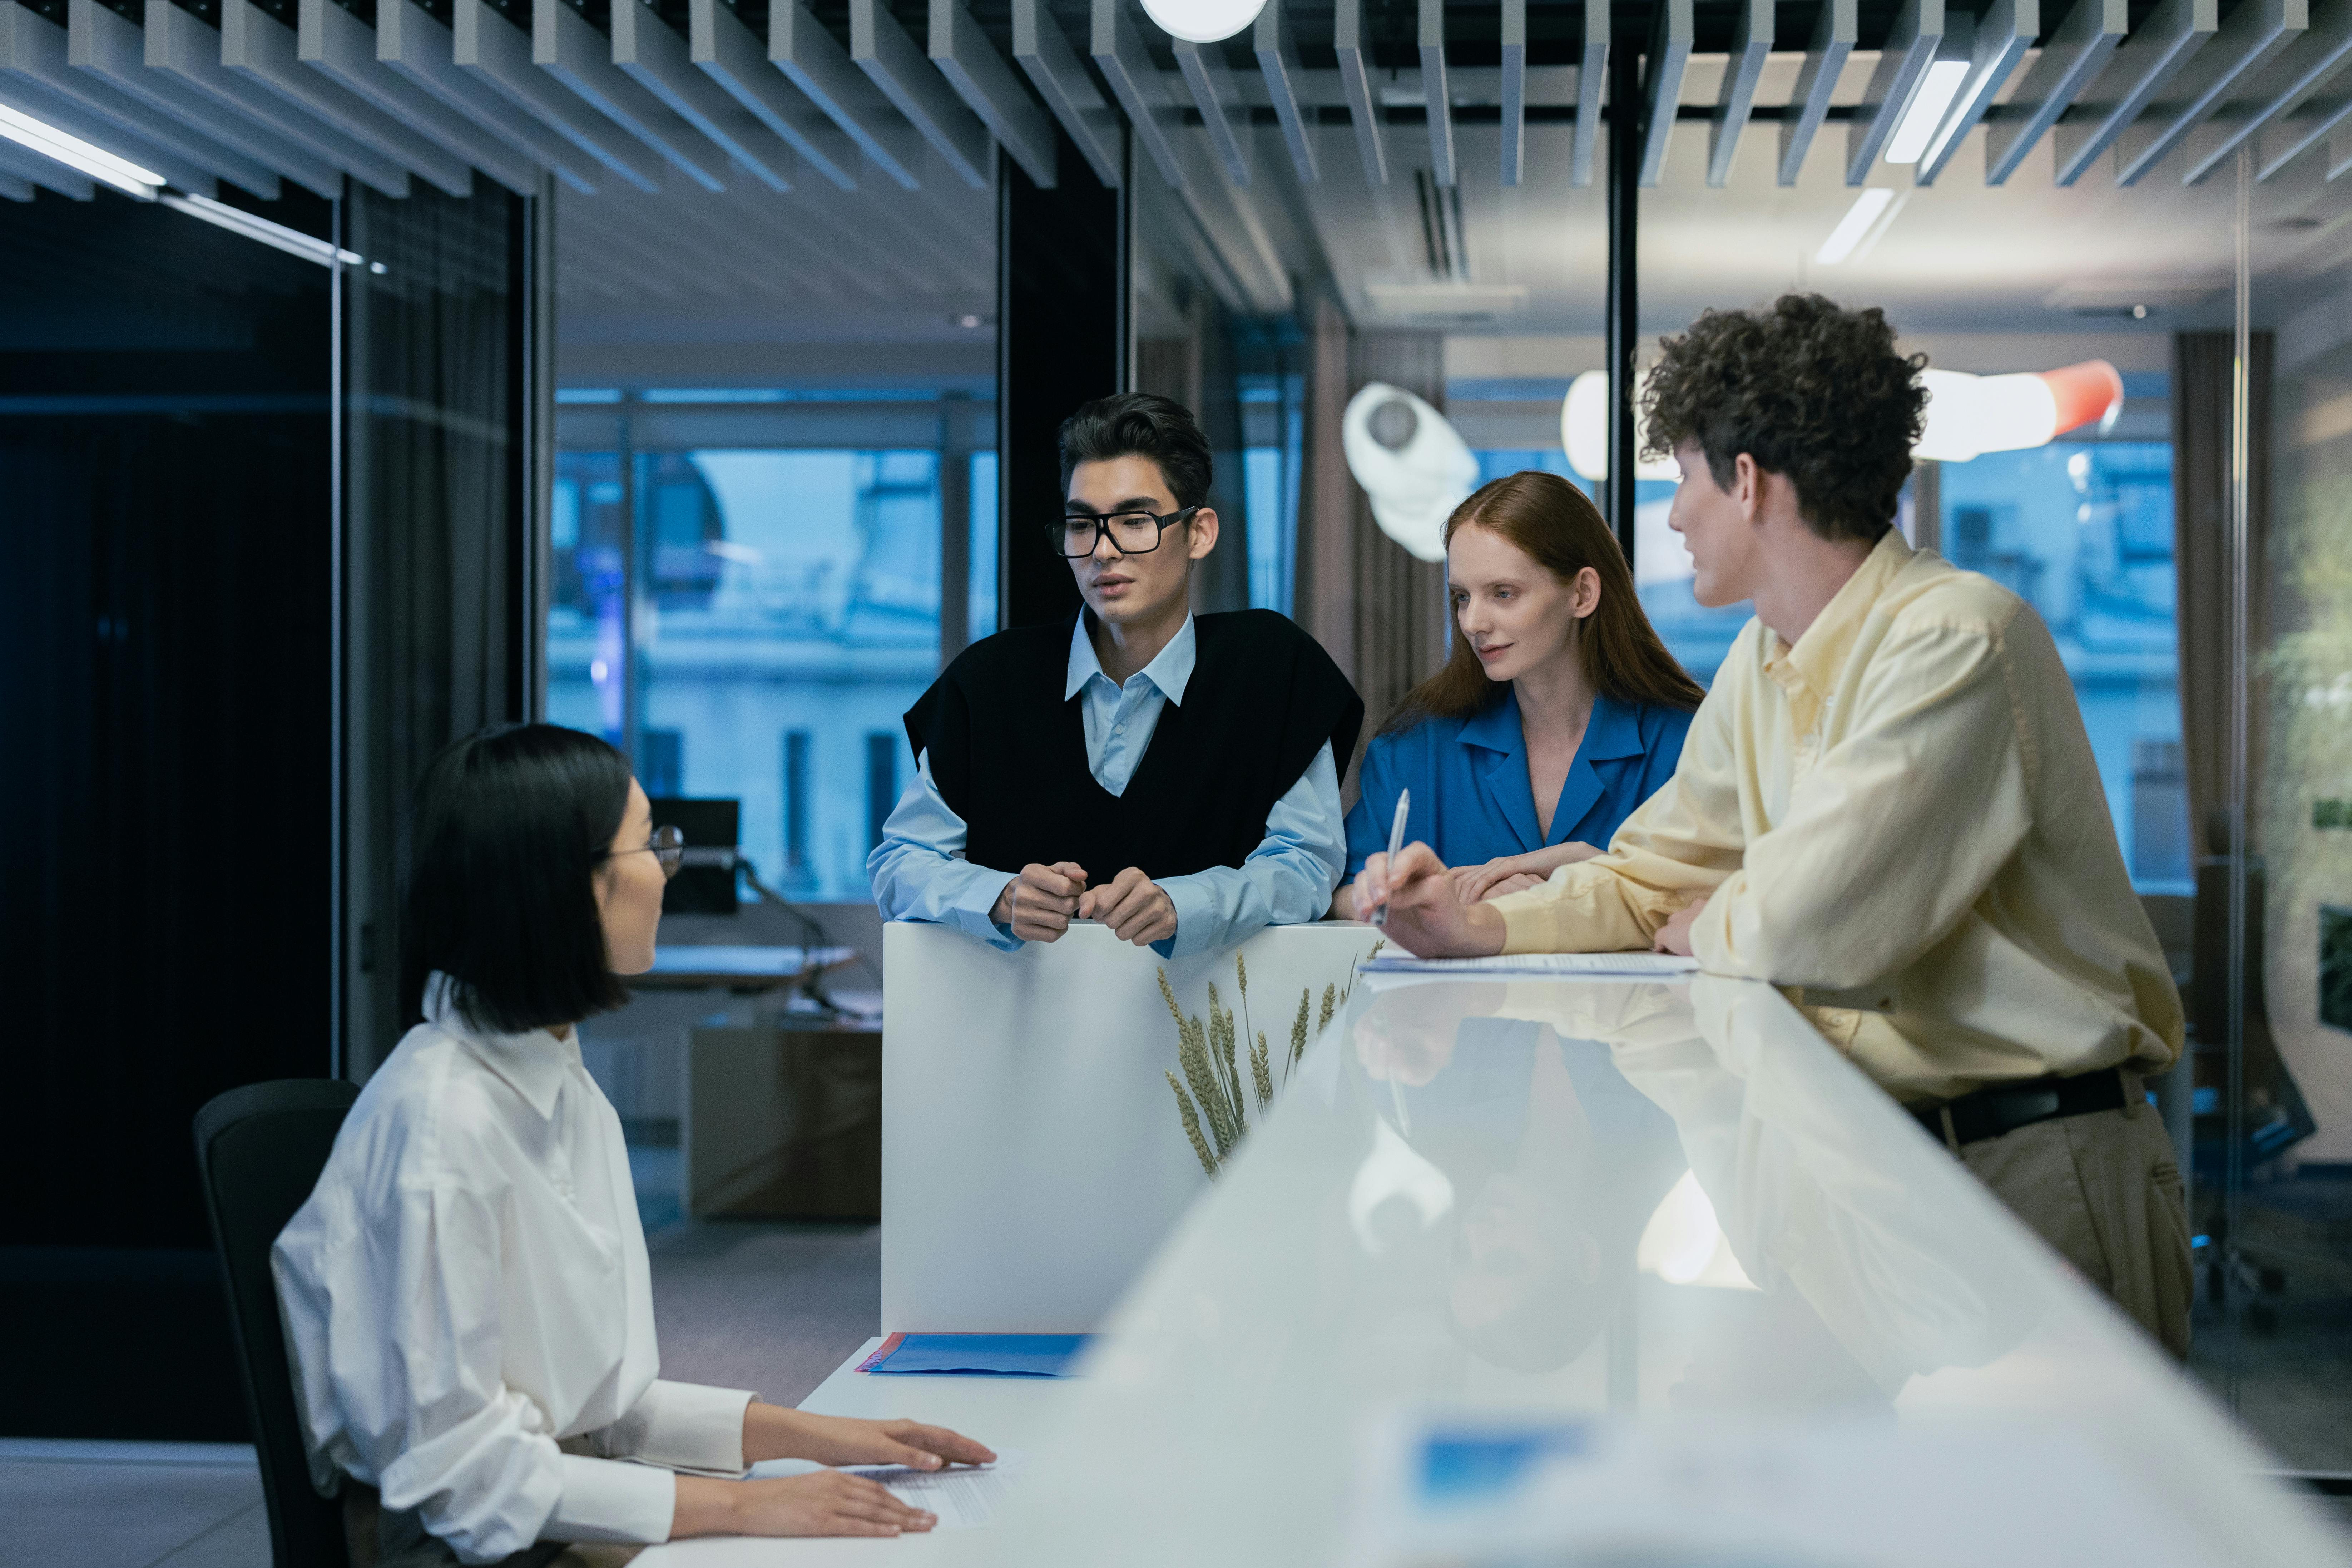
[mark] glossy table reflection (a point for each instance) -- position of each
(1454, 1209)
(1667, 1208)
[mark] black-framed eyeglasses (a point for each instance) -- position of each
(667, 846)
(1135, 533)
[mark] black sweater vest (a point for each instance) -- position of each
(1009, 753)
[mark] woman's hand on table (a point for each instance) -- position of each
(774, 1432)
(1515, 873)
(824, 1502)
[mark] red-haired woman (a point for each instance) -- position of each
(1558, 713)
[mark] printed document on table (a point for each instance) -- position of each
(963, 1496)
(1540, 966)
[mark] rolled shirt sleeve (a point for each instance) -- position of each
(1680, 844)
(676, 1426)
(1287, 879)
(1893, 834)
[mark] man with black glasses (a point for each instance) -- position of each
(1173, 776)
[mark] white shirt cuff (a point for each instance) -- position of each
(613, 1501)
(684, 1426)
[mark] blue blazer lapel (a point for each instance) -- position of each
(1499, 759)
(1614, 731)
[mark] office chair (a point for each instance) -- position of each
(260, 1150)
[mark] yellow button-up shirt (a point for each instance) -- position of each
(1900, 819)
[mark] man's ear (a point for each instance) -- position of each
(1201, 535)
(1747, 486)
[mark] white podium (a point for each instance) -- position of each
(1031, 1155)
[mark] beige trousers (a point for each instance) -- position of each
(2105, 1189)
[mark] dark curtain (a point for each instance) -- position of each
(1379, 612)
(2200, 502)
(165, 885)
(442, 484)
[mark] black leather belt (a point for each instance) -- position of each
(1989, 1112)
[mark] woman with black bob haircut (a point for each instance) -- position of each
(465, 1293)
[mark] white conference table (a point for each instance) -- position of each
(1669, 1212)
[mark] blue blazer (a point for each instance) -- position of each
(1471, 798)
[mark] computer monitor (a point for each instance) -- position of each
(705, 884)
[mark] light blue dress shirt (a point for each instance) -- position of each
(920, 872)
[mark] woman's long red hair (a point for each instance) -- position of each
(1562, 531)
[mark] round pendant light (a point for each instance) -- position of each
(1203, 21)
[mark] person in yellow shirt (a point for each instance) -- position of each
(1887, 805)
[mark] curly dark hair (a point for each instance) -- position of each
(1808, 389)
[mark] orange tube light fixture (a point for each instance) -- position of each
(1972, 415)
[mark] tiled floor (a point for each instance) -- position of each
(768, 1307)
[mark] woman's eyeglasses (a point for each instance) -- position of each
(667, 846)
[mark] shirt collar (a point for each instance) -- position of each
(1171, 671)
(534, 1063)
(1820, 653)
(1614, 729)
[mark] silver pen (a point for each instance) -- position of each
(1396, 843)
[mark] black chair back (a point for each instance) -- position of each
(260, 1150)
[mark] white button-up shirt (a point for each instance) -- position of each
(469, 1309)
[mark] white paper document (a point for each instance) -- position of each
(1546, 966)
(963, 1496)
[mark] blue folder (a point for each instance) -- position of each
(975, 1355)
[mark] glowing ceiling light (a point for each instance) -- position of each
(1937, 90)
(1852, 228)
(1969, 415)
(1414, 465)
(277, 235)
(76, 153)
(1203, 21)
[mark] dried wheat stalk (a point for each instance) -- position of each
(1261, 1072)
(1193, 1126)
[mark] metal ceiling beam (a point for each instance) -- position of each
(1591, 78)
(2143, 65)
(1436, 93)
(1224, 118)
(1835, 32)
(986, 83)
(1356, 67)
(2069, 63)
(2283, 141)
(1119, 53)
(1672, 35)
(813, 61)
(262, 49)
(2301, 69)
(2003, 33)
(1741, 71)
(655, 58)
(2340, 154)
(1515, 92)
(177, 44)
(567, 49)
(1277, 62)
(112, 48)
(36, 80)
(730, 54)
(1042, 49)
(880, 48)
(1910, 48)
(339, 46)
(2253, 36)
(490, 62)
